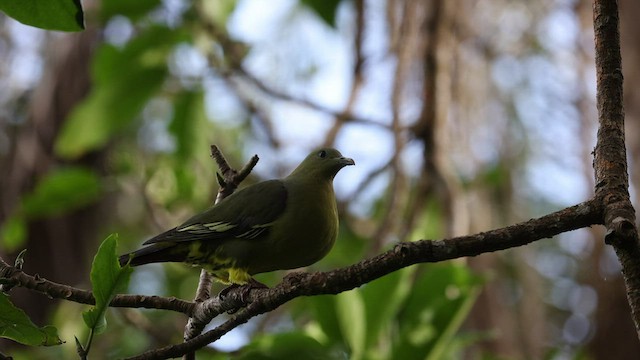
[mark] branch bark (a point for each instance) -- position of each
(610, 163)
(13, 277)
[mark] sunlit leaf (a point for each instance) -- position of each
(383, 299)
(16, 325)
(351, 316)
(63, 15)
(13, 233)
(107, 280)
(325, 312)
(219, 10)
(439, 302)
(61, 191)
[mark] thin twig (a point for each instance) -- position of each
(232, 65)
(229, 179)
(17, 278)
(358, 75)
(409, 29)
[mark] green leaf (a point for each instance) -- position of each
(13, 233)
(16, 325)
(325, 314)
(131, 9)
(61, 191)
(438, 304)
(107, 280)
(63, 15)
(286, 346)
(124, 80)
(383, 299)
(325, 9)
(351, 315)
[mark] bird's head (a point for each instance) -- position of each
(322, 164)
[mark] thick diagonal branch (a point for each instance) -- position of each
(402, 255)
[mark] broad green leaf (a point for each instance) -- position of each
(107, 280)
(326, 9)
(286, 346)
(63, 15)
(13, 233)
(351, 315)
(131, 9)
(439, 302)
(61, 191)
(16, 325)
(452, 324)
(325, 314)
(124, 80)
(383, 299)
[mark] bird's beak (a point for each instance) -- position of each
(346, 161)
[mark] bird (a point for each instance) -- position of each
(278, 224)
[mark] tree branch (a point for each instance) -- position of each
(610, 163)
(14, 277)
(400, 256)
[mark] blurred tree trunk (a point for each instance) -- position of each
(59, 248)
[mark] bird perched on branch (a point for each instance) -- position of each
(272, 225)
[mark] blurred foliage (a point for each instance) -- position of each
(124, 81)
(60, 191)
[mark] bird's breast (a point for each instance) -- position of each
(306, 234)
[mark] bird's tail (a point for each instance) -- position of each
(158, 252)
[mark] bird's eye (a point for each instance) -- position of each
(322, 154)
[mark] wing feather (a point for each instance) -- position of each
(247, 214)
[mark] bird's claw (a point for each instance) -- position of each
(243, 293)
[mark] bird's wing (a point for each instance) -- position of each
(246, 214)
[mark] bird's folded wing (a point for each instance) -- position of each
(246, 214)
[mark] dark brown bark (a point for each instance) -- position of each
(614, 335)
(610, 164)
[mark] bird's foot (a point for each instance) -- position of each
(243, 292)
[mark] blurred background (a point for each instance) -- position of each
(462, 116)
